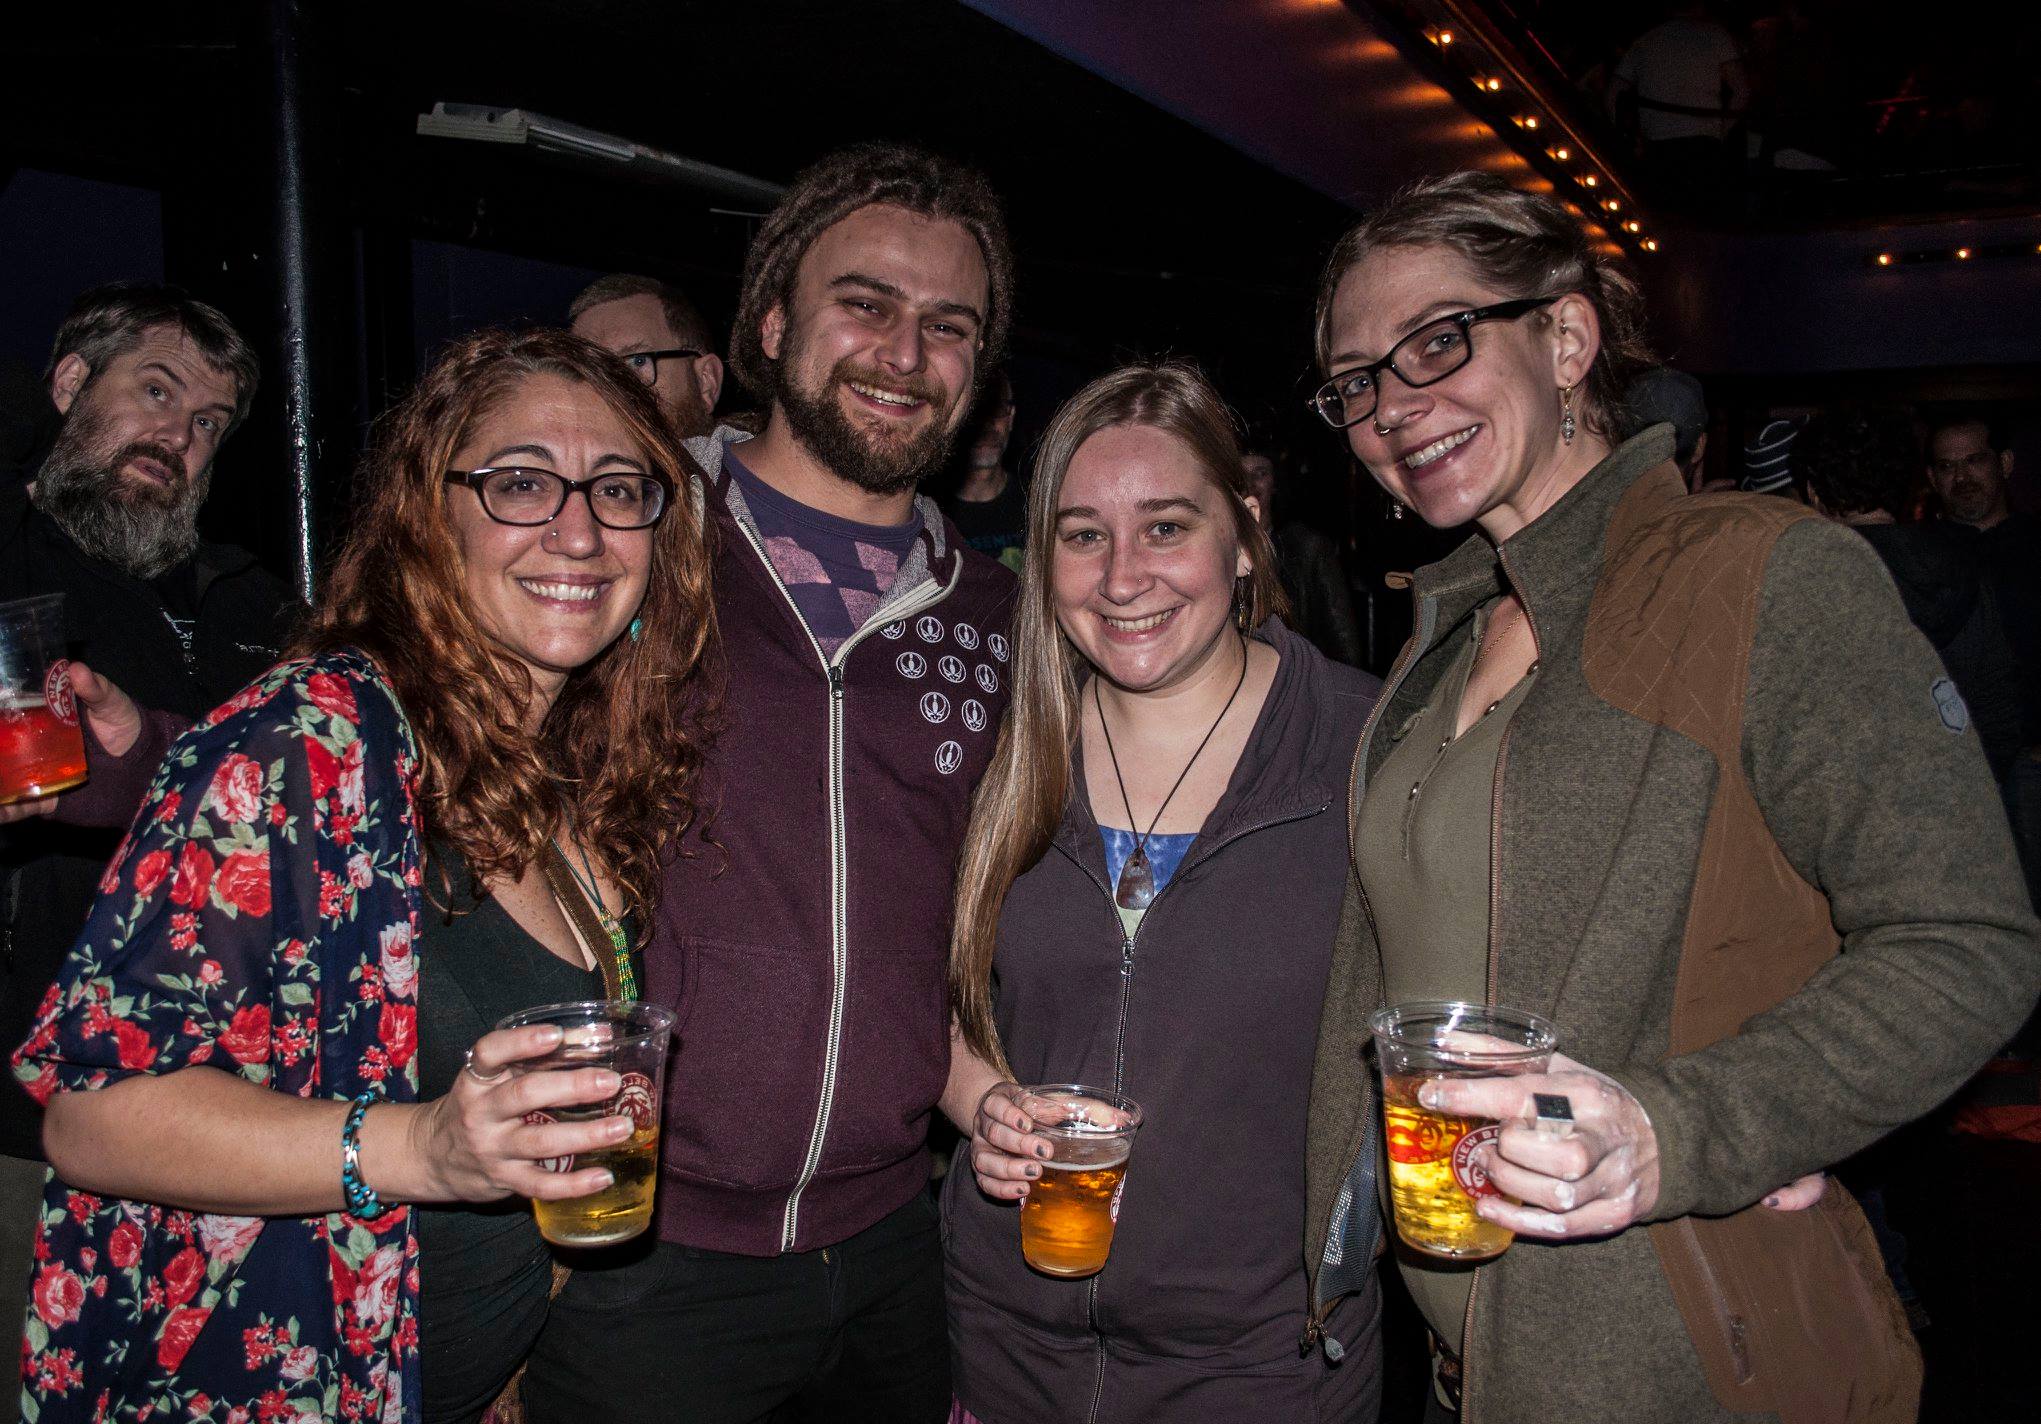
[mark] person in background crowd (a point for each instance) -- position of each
(1971, 470)
(1321, 601)
(1857, 465)
(143, 385)
(467, 748)
(1682, 89)
(988, 505)
(1609, 783)
(1663, 396)
(804, 941)
(1768, 462)
(660, 335)
(1167, 726)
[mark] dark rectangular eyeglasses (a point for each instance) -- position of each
(1428, 355)
(516, 494)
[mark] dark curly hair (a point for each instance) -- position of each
(1857, 460)
(834, 188)
(621, 749)
(1523, 244)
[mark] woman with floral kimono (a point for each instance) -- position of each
(496, 684)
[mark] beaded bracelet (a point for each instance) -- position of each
(362, 1200)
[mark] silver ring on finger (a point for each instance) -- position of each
(468, 1067)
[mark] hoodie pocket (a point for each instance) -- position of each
(746, 1078)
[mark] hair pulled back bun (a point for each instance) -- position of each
(1522, 244)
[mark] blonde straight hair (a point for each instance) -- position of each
(1019, 803)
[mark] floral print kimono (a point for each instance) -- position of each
(258, 919)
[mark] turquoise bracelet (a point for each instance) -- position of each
(361, 1197)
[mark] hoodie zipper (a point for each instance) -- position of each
(932, 593)
(1120, 1030)
(1317, 1310)
(1494, 958)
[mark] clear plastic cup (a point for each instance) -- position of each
(1067, 1217)
(42, 748)
(633, 1041)
(1433, 1179)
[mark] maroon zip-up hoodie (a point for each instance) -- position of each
(804, 951)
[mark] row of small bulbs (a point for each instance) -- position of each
(1958, 254)
(1559, 153)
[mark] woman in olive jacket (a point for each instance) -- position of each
(1155, 745)
(1682, 778)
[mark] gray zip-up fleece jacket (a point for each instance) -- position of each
(1207, 1018)
(1748, 857)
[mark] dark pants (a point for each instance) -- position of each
(852, 1332)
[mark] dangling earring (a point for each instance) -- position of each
(1243, 605)
(1395, 510)
(1566, 426)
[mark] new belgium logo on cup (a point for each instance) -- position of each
(632, 1040)
(1434, 1177)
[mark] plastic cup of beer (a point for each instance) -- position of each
(42, 749)
(631, 1040)
(1433, 1178)
(1067, 1217)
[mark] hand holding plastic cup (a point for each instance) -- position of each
(1434, 1178)
(632, 1040)
(1067, 1217)
(42, 749)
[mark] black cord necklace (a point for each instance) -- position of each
(1135, 889)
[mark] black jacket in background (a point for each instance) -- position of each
(118, 625)
(1949, 597)
(1322, 605)
(28, 424)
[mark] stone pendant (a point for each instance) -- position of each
(1136, 888)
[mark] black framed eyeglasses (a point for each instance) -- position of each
(516, 494)
(1428, 355)
(645, 364)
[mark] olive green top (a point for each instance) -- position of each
(1422, 846)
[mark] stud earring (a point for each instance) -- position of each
(1566, 425)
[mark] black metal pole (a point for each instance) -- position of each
(287, 27)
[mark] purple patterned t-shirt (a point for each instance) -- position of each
(837, 570)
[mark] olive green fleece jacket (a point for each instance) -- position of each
(1878, 795)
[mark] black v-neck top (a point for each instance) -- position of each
(485, 1274)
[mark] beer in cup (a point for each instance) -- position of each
(42, 750)
(1433, 1180)
(1067, 1217)
(631, 1040)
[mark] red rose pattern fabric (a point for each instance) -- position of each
(259, 918)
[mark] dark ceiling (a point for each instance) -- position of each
(1134, 228)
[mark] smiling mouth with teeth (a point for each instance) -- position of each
(1138, 625)
(563, 592)
(885, 397)
(1418, 459)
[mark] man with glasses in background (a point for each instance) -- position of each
(660, 335)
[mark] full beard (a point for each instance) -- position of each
(141, 529)
(868, 457)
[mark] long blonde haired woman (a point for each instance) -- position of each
(1147, 903)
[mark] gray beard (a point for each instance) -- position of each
(84, 494)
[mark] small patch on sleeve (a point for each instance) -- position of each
(1949, 705)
